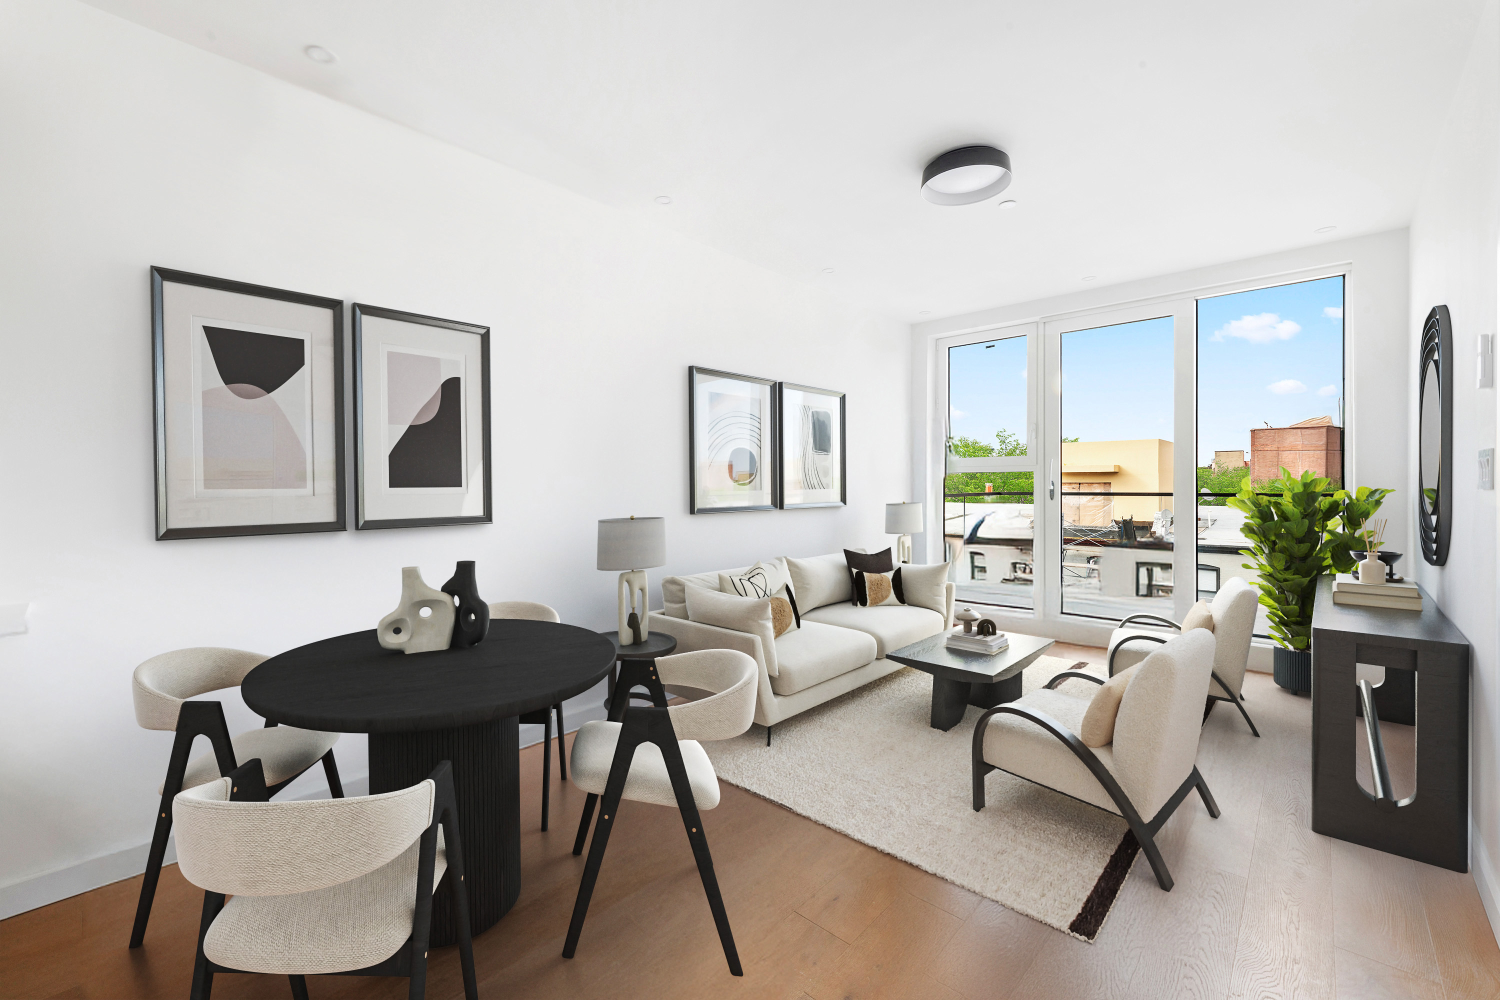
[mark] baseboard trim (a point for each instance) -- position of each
(1484, 881)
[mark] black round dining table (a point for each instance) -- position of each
(459, 705)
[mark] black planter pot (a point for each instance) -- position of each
(1291, 668)
(471, 619)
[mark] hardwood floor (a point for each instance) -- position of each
(1262, 908)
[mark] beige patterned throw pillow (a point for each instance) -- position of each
(1098, 726)
(1200, 615)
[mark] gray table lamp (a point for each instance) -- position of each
(634, 545)
(904, 519)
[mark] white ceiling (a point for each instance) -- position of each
(1147, 137)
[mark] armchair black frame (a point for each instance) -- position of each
(194, 719)
(1144, 830)
(645, 725)
(248, 784)
(1233, 698)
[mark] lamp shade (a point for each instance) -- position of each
(903, 519)
(632, 542)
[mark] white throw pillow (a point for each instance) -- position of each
(821, 580)
(925, 586)
(742, 614)
(765, 580)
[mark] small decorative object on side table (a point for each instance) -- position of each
(471, 613)
(634, 545)
(422, 622)
(904, 519)
(967, 617)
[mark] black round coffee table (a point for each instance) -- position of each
(459, 705)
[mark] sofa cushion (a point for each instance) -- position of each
(742, 614)
(925, 586)
(816, 652)
(820, 580)
(891, 626)
(673, 596)
(1098, 726)
(1024, 748)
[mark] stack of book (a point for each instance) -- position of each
(987, 644)
(1400, 595)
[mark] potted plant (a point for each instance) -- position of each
(1294, 538)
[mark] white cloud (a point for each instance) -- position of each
(955, 413)
(1286, 387)
(1261, 329)
(1329, 390)
(1334, 312)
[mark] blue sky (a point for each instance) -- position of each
(1273, 355)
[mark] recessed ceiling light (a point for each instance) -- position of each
(827, 270)
(318, 54)
(1088, 277)
(965, 175)
(1325, 229)
(1008, 204)
(664, 199)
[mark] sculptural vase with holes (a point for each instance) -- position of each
(423, 621)
(471, 615)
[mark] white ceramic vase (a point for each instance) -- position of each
(1371, 569)
(422, 622)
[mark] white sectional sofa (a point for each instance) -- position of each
(838, 648)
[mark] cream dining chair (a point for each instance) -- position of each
(321, 887)
(532, 611)
(161, 687)
(653, 755)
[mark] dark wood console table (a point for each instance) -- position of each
(1426, 659)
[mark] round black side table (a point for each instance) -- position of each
(459, 705)
(656, 644)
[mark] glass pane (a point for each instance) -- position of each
(987, 398)
(1270, 394)
(987, 516)
(1116, 483)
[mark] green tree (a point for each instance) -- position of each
(1216, 479)
(1006, 444)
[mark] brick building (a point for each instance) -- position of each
(1315, 444)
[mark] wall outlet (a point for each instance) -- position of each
(13, 618)
(1486, 468)
(1486, 369)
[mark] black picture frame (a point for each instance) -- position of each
(363, 518)
(1435, 512)
(784, 451)
(160, 279)
(771, 441)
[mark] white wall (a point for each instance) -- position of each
(1453, 262)
(124, 149)
(1376, 340)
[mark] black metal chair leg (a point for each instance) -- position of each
(583, 822)
(546, 767)
(1237, 704)
(562, 750)
(692, 822)
(331, 772)
(1153, 855)
(153, 866)
(768, 736)
(299, 987)
(1205, 794)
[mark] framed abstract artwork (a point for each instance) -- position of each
(731, 442)
(812, 446)
(422, 420)
(249, 408)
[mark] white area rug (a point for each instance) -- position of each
(870, 766)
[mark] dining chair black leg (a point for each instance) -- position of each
(666, 739)
(614, 790)
(299, 987)
(583, 822)
(546, 766)
(203, 976)
(331, 772)
(562, 750)
(153, 861)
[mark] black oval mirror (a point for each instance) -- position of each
(1435, 435)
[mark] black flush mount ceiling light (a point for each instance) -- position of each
(965, 175)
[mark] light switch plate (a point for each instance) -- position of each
(1486, 468)
(13, 618)
(1486, 368)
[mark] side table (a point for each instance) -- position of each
(656, 644)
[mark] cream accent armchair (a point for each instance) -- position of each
(1233, 610)
(340, 887)
(1146, 771)
(653, 755)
